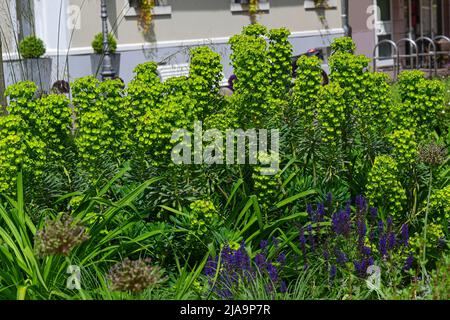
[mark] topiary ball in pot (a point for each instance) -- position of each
(97, 43)
(32, 47)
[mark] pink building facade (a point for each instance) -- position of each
(376, 20)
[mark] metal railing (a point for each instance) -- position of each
(431, 53)
(412, 56)
(428, 49)
(393, 56)
(441, 52)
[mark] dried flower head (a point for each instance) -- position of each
(432, 154)
(59, 236)
(134, 276)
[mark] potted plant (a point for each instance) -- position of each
(33, 66)
(97, 57)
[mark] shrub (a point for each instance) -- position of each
(383, 188)
(20, 150)
(423, 103)
(252, 69)
(111, 101)
(22, 102)
(97, 43)
(154, 129)
(331, 114)
(85, 95)
(375, 108)
(203, 216)
(306, 88)
(440, 207)
(94, 141)
(279, 55)
(55, 122)
(404, 148)
(343, 44)
(31, 47)
(145, 91)
(204, 77)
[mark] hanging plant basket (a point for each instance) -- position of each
(321, 4)
(145, 8)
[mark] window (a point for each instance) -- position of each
(242, 5)
(309, 4)
(162, 7)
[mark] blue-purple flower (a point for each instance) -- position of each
(383, 245)
(405, 235)
(341, 222)
(341, 257)
(408, 263)
(333, 271)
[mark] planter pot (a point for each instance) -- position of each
(97, 61)
(37, 70)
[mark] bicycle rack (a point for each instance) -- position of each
(441, 52)
(393, 56)
(410, 56)
(431, 54)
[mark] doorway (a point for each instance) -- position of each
(383, 26)
(426, 18)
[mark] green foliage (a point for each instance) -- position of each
(440, 206)
(97, 43)
(440, 280)
(54, 123)
(203, 217)
(423, 103)
(22, 101)
(145, 90)
(252, 70)
(279, 55)
(331, 114)
(254, 30)
(408, 83)
(111, 101)
(103, 123)
(343, 44)
(384, 191)
(266, 188)
(435, 234)
(348, 71)
(84, 95)
(306, 88)
(154, 129)
(19, 150)
(375, 107)
(205, 75)
(206, 64)
(31, 47)
(404, 147)
(94, 141)
(92, 165)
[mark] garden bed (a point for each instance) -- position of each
(356, 205)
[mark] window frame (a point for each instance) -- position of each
(237, 6)
(158, 10)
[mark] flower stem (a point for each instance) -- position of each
(424, 270)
